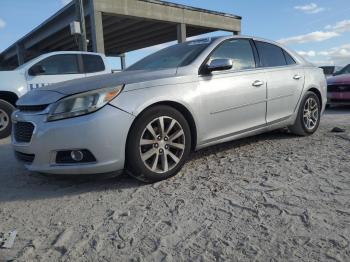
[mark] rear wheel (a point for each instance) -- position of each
(309, 115)
(158, 144)
(6, 110)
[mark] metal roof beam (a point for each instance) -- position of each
(151, 33)
(170, 13)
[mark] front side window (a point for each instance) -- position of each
(93, 63)
(270, 55)
(59, 65)
(239, 51)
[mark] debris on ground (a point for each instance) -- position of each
(7, 240)
(61, 242)
(338, 130)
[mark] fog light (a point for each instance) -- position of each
(77, 155)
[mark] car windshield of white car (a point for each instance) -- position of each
(173, 56)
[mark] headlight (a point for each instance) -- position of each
(83, 103)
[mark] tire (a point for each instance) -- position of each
(161, 155)
(6, 109)
(308, 124)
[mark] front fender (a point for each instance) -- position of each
(136, 101)
(14, 82)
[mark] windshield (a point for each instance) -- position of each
(345, 70)
(173, 56)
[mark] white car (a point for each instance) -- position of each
(44, 70)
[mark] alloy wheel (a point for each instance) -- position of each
(162, 144)
(4, 120)
(310, 113)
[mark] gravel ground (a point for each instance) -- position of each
(274, 197)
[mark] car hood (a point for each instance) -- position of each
(339, 80)
(52, 93)
(7, 74)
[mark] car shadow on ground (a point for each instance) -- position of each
(16, 183)
(272, 135)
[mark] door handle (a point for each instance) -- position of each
(258, 83)
(296, 77)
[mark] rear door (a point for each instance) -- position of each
(233, 101)
(285, 81)
(57, 68)
(93, 65)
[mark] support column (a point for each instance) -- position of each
(181, 33)
(20, 53)
(122, 61)
(97, 38)
(80, 16)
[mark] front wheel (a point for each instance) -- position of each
(6, 110)
(158, 144)
(309, 115)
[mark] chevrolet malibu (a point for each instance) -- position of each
(148, 119)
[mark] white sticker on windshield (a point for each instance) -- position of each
(200, 41)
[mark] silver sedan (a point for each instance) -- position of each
(148, 119)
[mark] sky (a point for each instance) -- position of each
(319, 30)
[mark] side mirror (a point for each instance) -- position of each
(219, 65)
(36, 70)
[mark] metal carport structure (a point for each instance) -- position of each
(115, 27)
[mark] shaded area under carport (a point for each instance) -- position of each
(115, 27)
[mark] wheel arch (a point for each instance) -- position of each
(9, 97)
(317, 92)
(183, 110)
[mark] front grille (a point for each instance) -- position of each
(36, 108)
(338, 88)
(23, 132)
(28, 158)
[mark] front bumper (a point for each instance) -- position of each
(103, 133)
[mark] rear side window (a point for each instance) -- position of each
(270, 55)
(93, 63)
(59, 65)
(290, 60)
(239, 50)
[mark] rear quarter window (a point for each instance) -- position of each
(289, 59)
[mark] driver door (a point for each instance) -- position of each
(233, 101)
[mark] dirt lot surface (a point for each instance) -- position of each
(274, 197)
